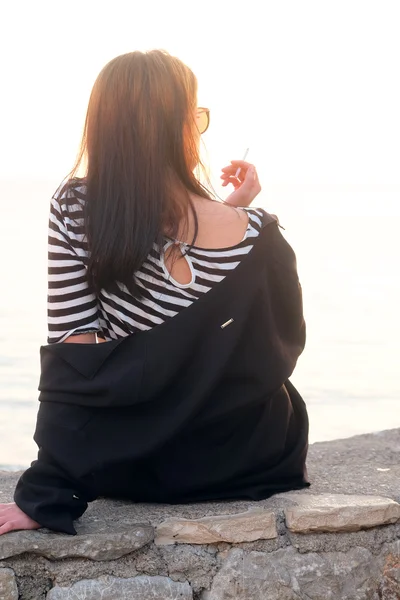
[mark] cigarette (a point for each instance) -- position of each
(244, 158)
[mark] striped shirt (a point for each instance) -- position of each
(73, 308)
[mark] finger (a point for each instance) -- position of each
(234, 167)
(241, 163)
(4, 516)
(230, 171)
(244, 172)
(249, 180)
(236, 164)
(9, 526)
(234, 181)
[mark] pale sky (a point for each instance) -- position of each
(311, 86)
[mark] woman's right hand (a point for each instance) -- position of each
(247, 185)
(12, 519)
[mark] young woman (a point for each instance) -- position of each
(175, 320)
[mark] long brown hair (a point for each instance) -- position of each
(139, 148)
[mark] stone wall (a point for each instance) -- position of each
(338, 540)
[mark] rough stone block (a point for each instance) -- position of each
(256, 524)
(8, 585)
(389, 588)
(133, 588)
(339, 512)
(95, 540)
(190, 563)
(288, 575)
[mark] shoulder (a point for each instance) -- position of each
(70, 192)
(255, 215)
(261, 216)
(69, 199)
(67, 212)
(280, 251)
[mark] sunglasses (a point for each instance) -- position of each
(203, 119)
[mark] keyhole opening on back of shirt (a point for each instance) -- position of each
(178, 264)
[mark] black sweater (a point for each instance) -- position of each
(197, 408)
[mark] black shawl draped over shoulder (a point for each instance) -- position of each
(197, 408)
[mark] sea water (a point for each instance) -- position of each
(347, 244)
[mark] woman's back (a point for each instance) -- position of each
(200, 306)
(170, 279)
(197, 408)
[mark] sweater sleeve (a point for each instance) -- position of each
(51, 497)
(72, 306)
(286, 293)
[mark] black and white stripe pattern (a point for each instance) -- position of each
(72, 306)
